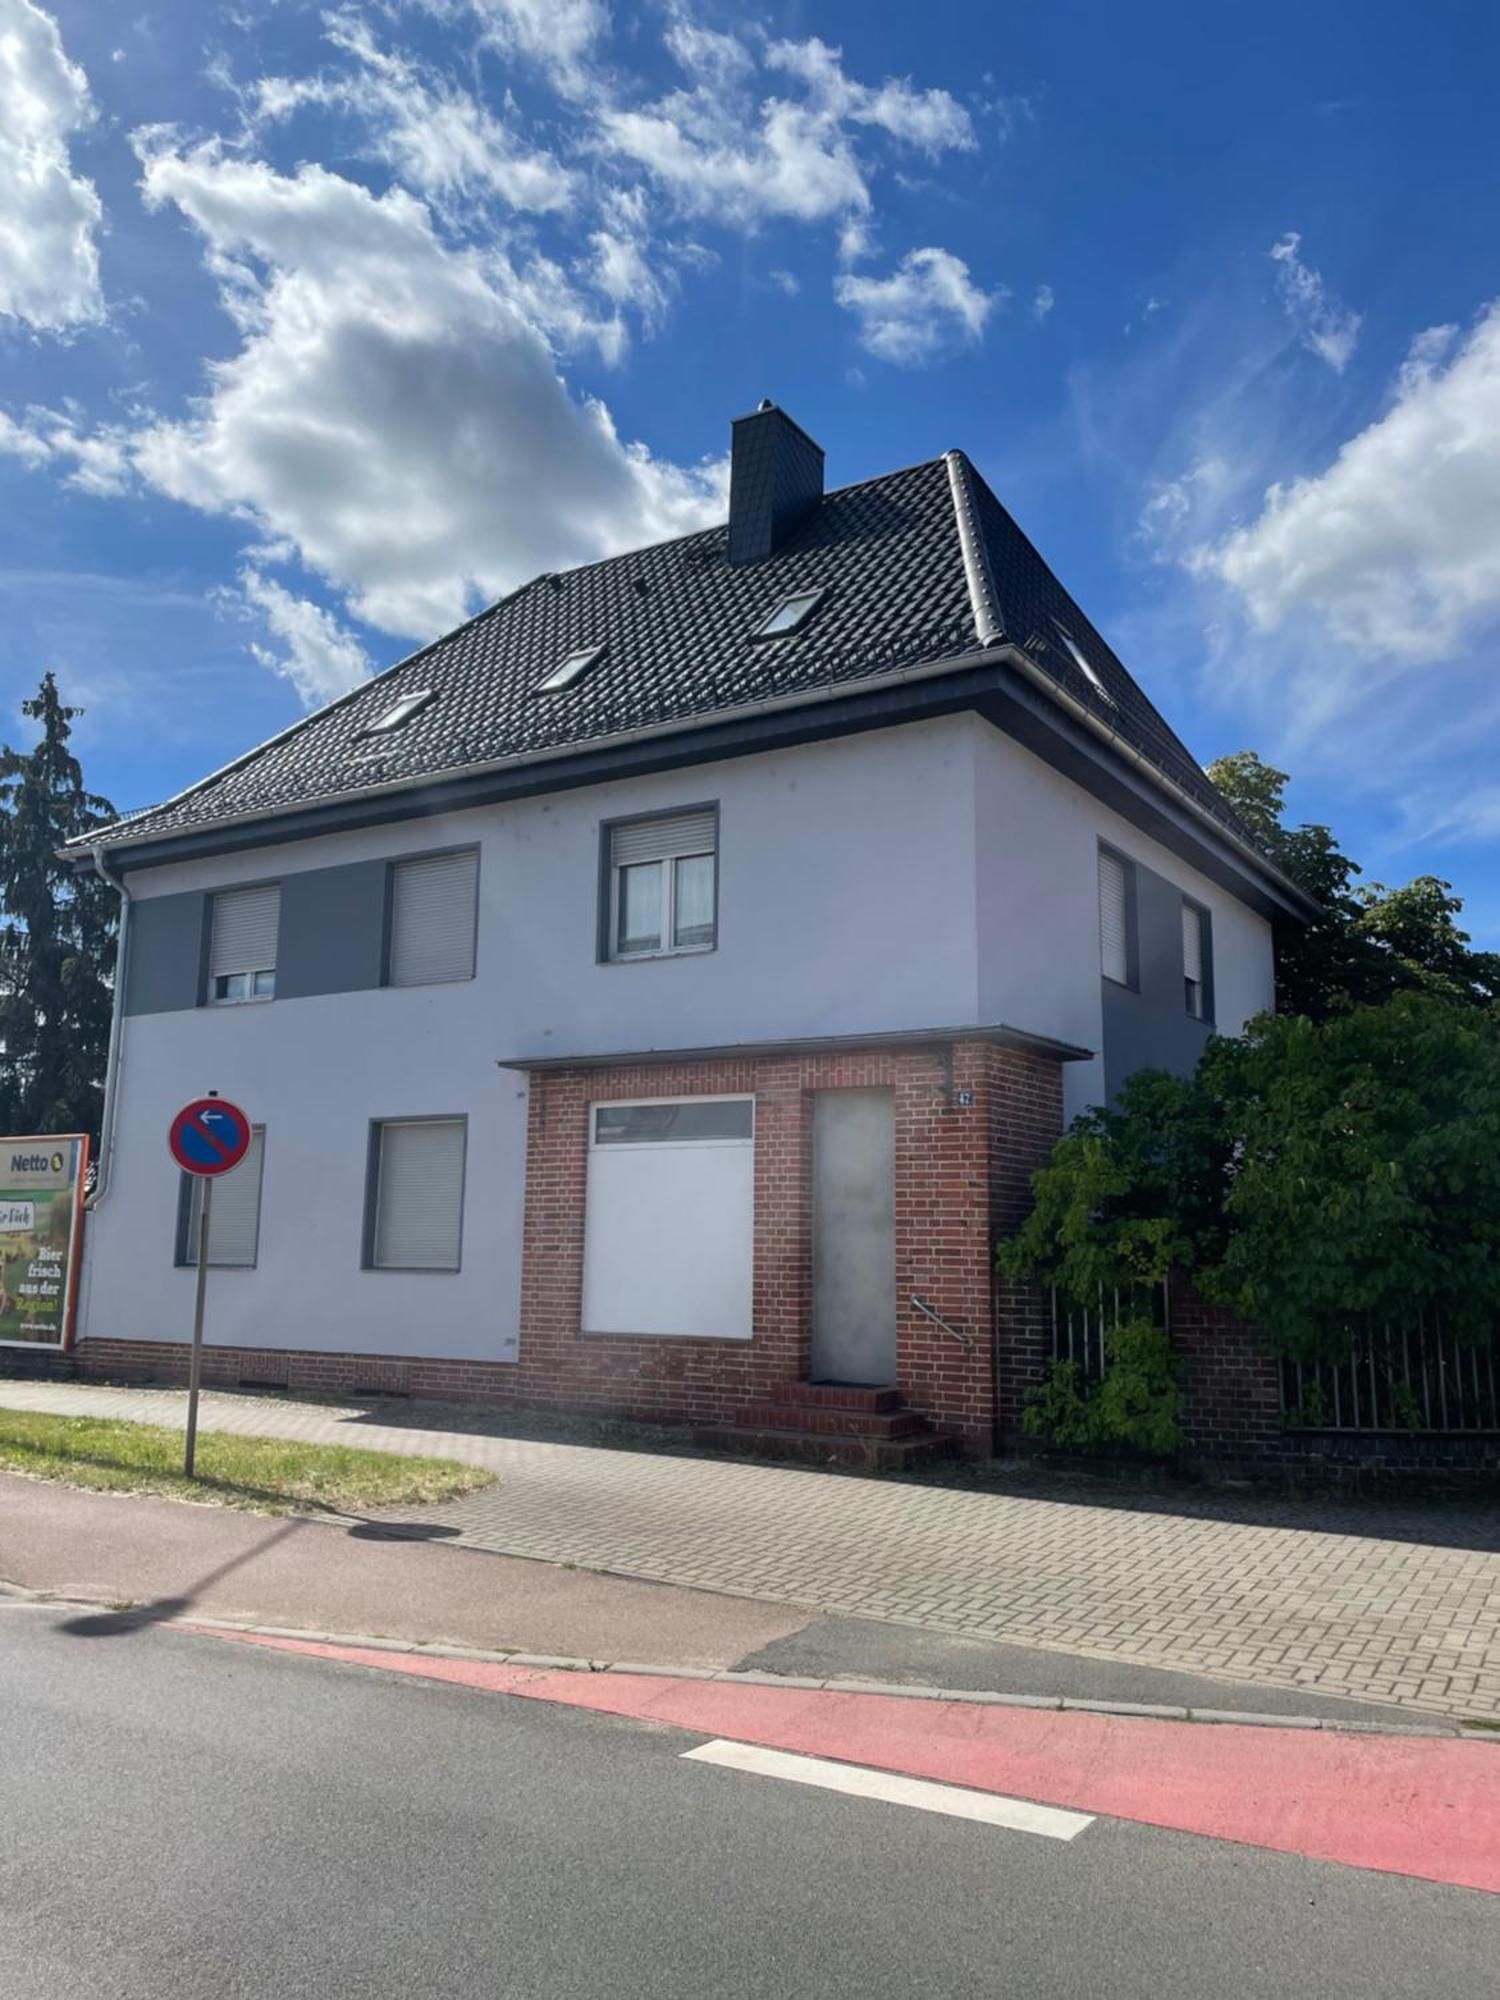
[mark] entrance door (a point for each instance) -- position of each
(854, 1236)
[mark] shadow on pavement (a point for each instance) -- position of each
(137, 1617)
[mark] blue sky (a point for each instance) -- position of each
(321, 326)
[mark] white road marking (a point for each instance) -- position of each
(860, 1782)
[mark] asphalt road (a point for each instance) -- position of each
(184, 1817)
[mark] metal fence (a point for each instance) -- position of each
(1079, 1326)
(1396, 1380)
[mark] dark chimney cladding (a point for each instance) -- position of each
(775, 481)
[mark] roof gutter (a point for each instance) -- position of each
(993, 653)
(116, 1029)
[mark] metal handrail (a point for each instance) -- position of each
(963, 1339)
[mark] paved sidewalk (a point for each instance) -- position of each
(1367, 1602)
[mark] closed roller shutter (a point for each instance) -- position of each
(244, 930)
(419, 1195)
(662, 839)
(433, 909)
(1114, 924)
(234, 1214)
(1192, 944)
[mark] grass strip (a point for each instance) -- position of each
(264, 1475)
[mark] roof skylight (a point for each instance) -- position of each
(402, 711)
(1080, 660)
(573, 668)
(790, 614)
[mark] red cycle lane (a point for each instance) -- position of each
(1422, 1806)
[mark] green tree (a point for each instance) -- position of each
(57, 934)
(1369, 941)
(1318, 1178)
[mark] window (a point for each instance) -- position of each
(242, 944)
(663, 884)
(433, 915)
(1196, 957)
(414, 1218)
(684, 1121)
(1081, 660)
(233, 1214)
(573, 668)
(790, 614)
(1116, 917)
(669, 1219)
(402, 711)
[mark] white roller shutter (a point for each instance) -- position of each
(244, 930)
(433, 913)
(662, 839)
(234, 1214)
(1114, 924)
(419, 1195)
(1192, 943)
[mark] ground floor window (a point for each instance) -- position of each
(233, 1215)
(670, 1218)
(415, 1206)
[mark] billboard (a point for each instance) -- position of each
(41, 1231)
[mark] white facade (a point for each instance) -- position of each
(925, 876)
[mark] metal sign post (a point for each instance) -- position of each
(209, 1137)
(195, 1367)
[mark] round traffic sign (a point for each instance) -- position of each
(209, 1136)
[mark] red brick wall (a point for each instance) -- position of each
(971, 1121)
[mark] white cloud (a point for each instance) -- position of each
(927, 304)
(1043, 300)
(393, 412)
(1395, 548)
(1326, 328)
(320, 659)
(435, 135)
(49, 263)
(724, 149)
(96, 462)
(559, 35)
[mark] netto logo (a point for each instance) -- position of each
(35, 1163)
(57, 1163)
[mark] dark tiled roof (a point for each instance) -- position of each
(677, 622)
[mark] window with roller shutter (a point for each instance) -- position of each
(434, 909)
(1197, 961)
(1116, 917)
(242, 944)
(233, 1215)
(662, 885)
(414, 1219)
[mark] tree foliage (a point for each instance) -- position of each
(1370, 942)
(1318, 1178)
(57, 934)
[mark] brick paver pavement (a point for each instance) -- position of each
(1371, 1601)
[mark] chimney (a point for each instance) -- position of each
(775, 481)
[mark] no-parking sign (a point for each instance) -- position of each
(209, 1136)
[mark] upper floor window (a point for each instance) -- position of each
(663, 884)
(434, 905)
(1196, 960)
(242, 944)
(1116, 917)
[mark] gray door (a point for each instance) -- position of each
(854, 1236)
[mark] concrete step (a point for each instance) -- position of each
(853, 1454)
(836, 1396)
(832, 1422)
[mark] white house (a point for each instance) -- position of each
(652, 996)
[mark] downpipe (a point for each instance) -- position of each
(116, 1030)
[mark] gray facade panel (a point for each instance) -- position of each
(168, 935)
(1148, 1026)
(333, 930)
